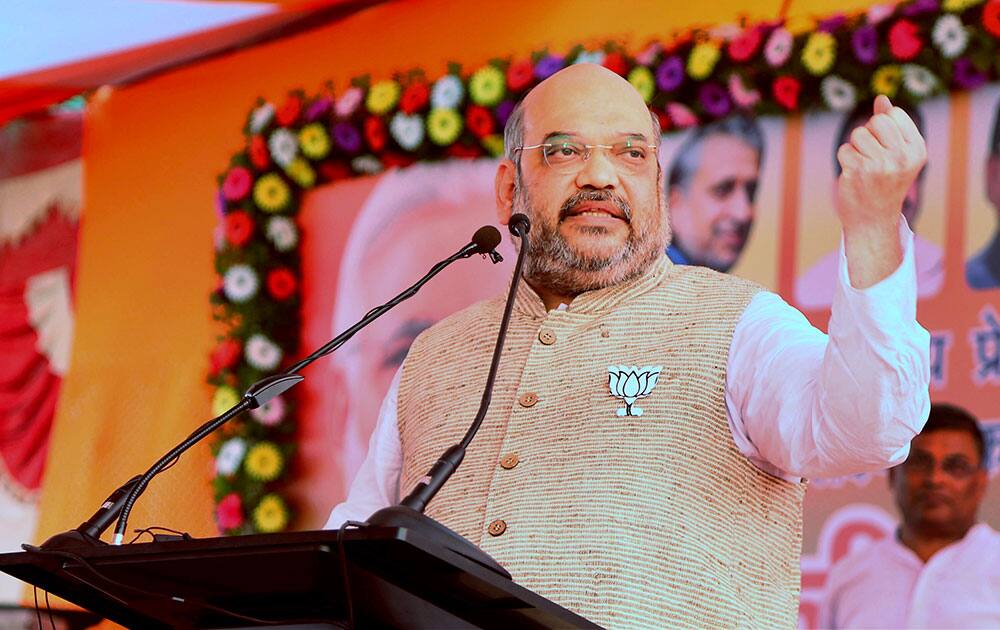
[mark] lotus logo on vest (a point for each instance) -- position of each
(631, 383)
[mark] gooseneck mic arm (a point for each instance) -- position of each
(120, 503)
(449, 461)
(409, 512)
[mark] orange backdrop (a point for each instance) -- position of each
(152, 152)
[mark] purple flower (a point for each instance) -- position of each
(220, 205)
(966, 75)
(503, 111)
(831, 24)
(547, 66)
(864, 41)
(670, 74)
(714, 99)
(318, 108)
(347, 137)
(919, 7)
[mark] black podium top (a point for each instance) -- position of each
(396, 580)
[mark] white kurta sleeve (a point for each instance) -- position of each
(377, 483)
(804, 404)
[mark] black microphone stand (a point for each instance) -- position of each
(120, 503)
(409, 512)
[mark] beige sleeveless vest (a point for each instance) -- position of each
(651, 520)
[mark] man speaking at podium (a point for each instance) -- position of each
(642, 461)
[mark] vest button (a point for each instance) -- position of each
(497, 527)
(509, 461)
(528, 399)
(547, 337)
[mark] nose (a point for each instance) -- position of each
(741, 205)
(598, 171)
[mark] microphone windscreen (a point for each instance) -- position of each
(519, 225)
(486, 239)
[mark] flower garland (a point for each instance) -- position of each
(910, 51)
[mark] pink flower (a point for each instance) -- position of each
(229, 512)
(681, 116)
(778, 47)
(236, 186)
(742, 95)
(348, 102)
(880, 12)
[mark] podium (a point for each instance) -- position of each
(396, 580)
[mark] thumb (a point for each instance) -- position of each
(882, 104)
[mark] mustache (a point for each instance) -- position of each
(595, 195)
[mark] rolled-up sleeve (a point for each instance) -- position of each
(805, 404)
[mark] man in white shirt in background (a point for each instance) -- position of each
(687, 512)
(942, 568)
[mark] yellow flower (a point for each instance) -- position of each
(314, 141)
(224, 398)
(487, 86)
(382, 96)
(271, 193)
(494, 144)
(957, 6)
(300, 171)
(271, 514)
(819, 53)
(264, 462)
(443, 125)
(702, 60)
(886, 80)
(642, 80)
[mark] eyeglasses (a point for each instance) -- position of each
(628, 156)
(954, 467)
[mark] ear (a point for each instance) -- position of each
(982, 481)
(505, 179)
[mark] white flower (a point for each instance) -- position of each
(840, 95)
(282, 233)
(262, 353)
(284, 146)
(260, 117)
(596, 56)
(919, 80)
(240, 283)
(270, 413)
(367, 164)
(230, 456)
(408, 131)
(950, 36)
(447, 92)
(348, 102)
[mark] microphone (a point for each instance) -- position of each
(519, 224)
(120, 503)
(409, 513)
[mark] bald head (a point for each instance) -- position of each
(574, 90)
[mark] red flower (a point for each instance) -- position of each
(375, 133)
(616, 63)
(414, 97)
(743, 47)
(786, 91)
(229, 512)
(664, 117)
(289, 112)
(991, 18)
(390, 159)
(520, 75)
(904, 44)
(236, 186)
(281, 283)
(479, 120)
(332, 171)
(463, 151)
(238, 227)
(259, 155)
(225, 355)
